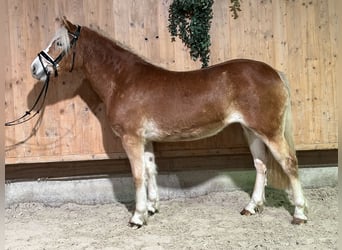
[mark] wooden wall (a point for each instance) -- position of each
(297, 37)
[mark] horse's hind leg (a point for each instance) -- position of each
(151, 173)
(257, 148)
(288, 161)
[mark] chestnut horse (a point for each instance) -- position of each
(146, 103)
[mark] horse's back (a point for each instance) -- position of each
(239, 82)
(196, 104)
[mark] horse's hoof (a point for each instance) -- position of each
(245, 212)
(153, 212)
(152, 207)
(138, 220)
(259, 209)
(134, 226)
(298, 221)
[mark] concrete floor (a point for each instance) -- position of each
(120, 188)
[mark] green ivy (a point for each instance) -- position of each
(234, 8)
(190, 20)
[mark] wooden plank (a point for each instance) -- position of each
(109, 167)
(299, 38)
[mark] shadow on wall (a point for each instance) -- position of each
(172, 184)
(65, 87)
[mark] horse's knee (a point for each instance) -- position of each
(139, 182)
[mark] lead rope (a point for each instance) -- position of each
(28, 115)
(44, 90)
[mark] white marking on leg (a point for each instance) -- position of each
(135, 152)
(258, 196)
(152, 187)
(140, 214)
(299, 200)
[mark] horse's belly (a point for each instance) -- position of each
(153, 132)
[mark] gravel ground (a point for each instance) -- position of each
(206, 222)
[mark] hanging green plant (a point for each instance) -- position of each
(234, 8)
(190, 20)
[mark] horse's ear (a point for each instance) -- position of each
(66, 23)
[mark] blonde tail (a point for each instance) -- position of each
(275, 174)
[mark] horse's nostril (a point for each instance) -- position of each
(33, 69)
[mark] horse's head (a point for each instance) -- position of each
(57, 55)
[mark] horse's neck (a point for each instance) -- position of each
(105, 64)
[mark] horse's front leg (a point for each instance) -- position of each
(134, 148)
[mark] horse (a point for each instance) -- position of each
(146, 103)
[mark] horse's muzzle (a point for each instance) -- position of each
(37, 70)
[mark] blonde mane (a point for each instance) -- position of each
(63, 37)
